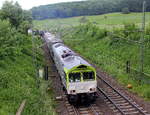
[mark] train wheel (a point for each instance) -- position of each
(72, 99)
(64, 89)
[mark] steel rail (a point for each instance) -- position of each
(110, 100)
(76, 111)
(120, 95)
(93, 110)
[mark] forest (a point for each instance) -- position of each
(89, 7)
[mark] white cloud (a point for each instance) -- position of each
(27, 4)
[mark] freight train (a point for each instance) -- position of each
(78, 77)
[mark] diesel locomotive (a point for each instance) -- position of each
(77, 75)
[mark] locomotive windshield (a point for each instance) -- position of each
(88, 76)
(74, 77)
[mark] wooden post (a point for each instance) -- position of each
(46, 72)
(21, 107)
(141, 66)
(128, 66)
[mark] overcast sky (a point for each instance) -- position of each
(27, 4)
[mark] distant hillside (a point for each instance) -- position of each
(89, 7)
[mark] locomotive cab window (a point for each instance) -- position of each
(74, 77)
(56, 46)
(88, 76)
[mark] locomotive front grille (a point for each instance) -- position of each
(83, 87)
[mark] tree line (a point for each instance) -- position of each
(89, 7)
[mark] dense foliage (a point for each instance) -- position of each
(17, 72)
(89, 7)
(16, 16)
(111, 49)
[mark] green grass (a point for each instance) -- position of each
(18, 82)
(107, 20)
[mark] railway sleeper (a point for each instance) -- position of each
(112, 107)
(126, 113)
(110, 92)
(67, 104)
(123, 104)
(95, 111)
(84, 112)
(117, 102)
(107, 101)
(71, 114)
(120, 99)
(130, 109)
(126, 107)
(113, 95)
(70, 110)
(83, 109)
(116, 98)
(132, 113)
(116, 111)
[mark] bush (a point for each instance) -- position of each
(83, 20)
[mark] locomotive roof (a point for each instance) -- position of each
(50, 38)
(68, 58)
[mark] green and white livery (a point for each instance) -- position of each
(77, 75)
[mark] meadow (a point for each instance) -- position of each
(104, 21)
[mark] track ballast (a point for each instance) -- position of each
(117, 101)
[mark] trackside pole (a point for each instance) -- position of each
(141, 65)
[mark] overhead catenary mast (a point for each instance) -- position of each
(141, 65)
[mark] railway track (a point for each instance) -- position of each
(118, 102)
(82, 110)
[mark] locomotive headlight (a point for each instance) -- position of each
(92, 89)
(72, 91)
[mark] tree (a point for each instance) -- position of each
(87, 7)
(7, 39)
(24, 26)
(15, 14)
(12, 12)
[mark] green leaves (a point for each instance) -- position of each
(15, 15)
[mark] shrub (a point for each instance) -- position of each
(83, 20)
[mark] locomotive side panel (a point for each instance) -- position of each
(59, 66)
